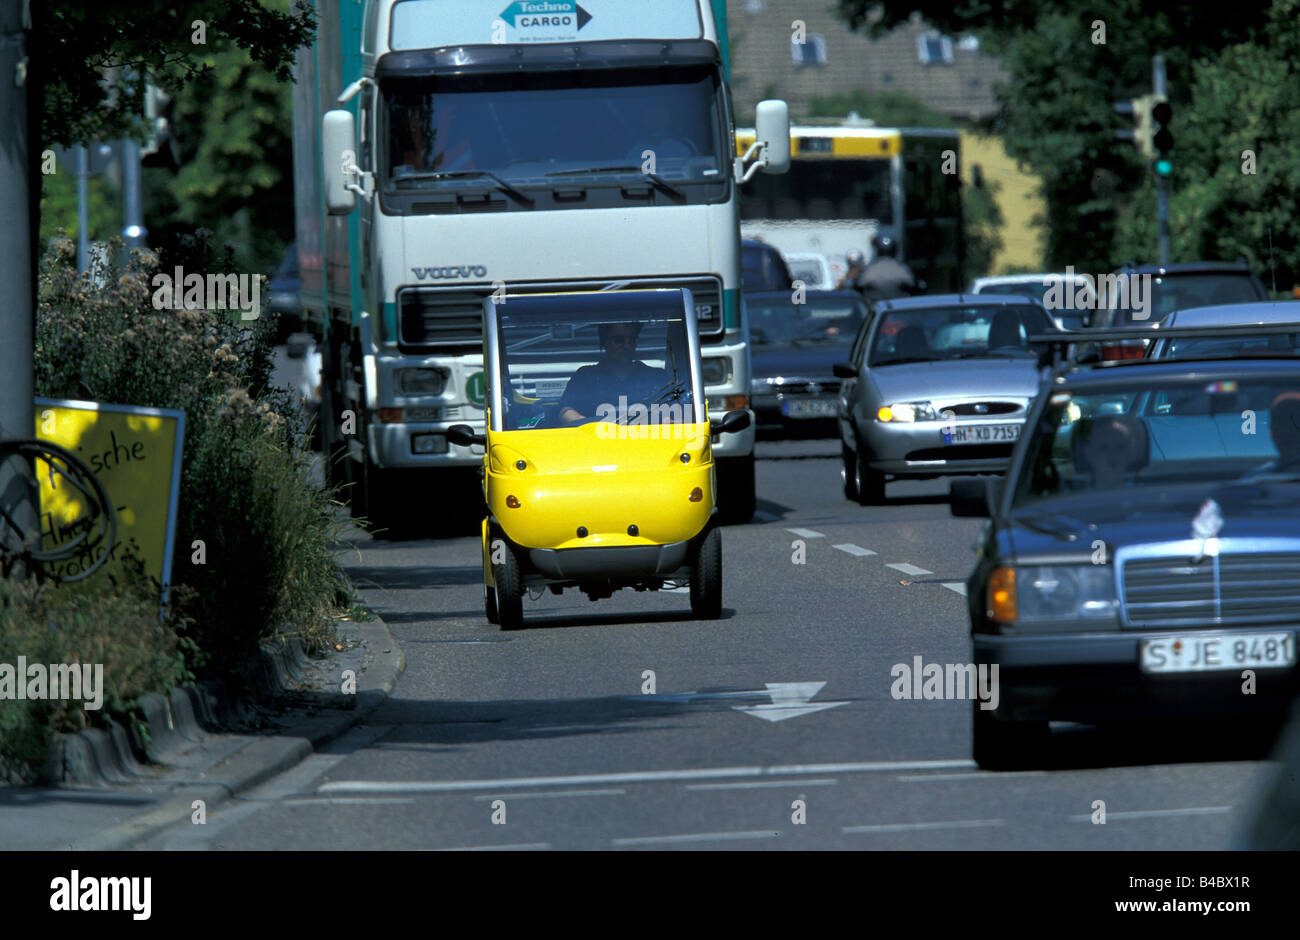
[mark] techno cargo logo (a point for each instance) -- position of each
(546, 14)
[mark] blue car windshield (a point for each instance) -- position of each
(779, 321)
(617, 356)
(1184, 431)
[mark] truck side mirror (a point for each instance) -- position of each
(772, 125)
(338, 138)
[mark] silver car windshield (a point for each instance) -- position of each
(930, 334)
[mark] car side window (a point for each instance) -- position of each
(860, 342)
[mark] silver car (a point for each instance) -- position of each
(937, 385)
(1278, 322)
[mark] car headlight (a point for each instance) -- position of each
(1035, 594)
(421, 381)
(907, 412)
(715, 371)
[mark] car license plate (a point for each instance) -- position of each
(808, 408)
(981, 433)
(1206, 653)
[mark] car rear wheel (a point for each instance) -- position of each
(509, 591)
(1006, 745)
(868, 484)
(706, 580)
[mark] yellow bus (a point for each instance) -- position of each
(848, 182)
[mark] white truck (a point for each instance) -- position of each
(451, 150)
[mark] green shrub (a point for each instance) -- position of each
(246, 488)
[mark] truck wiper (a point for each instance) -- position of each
(655, 178)
(469, 174)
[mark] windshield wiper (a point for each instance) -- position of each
(655, 178)
(1052, 523)
(468, 174)
(905, 359)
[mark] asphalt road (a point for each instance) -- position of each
(544, 738)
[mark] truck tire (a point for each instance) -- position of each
(736, 491)
(706, 579)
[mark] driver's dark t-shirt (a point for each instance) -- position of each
(596, 385)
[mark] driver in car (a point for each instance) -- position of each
(1284, 428)
(617, 381)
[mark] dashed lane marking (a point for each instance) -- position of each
(907, 569)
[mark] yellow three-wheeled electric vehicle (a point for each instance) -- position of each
(598, 470)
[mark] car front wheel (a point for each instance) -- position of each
(706, 580)
(509, 591)
(868, 484)
(1006, 745)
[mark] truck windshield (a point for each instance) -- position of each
(526, 127)
(566, 362)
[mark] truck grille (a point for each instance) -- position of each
(437, 321)
(451, 320)
(1235, 587)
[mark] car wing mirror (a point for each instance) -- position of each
(844, 370)
(731, 422)
(464, 436)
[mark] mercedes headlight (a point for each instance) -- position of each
(1039, 593)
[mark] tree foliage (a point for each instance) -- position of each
(1056, 110)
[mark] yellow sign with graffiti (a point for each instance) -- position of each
(136, 454)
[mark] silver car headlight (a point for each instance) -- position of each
(906, 412)
(1064, 592)
(421, 381)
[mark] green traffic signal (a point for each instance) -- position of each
(1164, 167)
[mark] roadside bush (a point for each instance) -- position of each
(247, 490)
(98, 621)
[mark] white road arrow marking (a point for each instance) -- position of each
(789, 699)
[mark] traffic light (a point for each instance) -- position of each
(1163, 139)
(1143, 127)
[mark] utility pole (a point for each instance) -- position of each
(83, 208)
(1162, 198)
(19, 497)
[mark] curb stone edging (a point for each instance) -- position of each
(264, 757)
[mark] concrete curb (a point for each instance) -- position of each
(173, 722)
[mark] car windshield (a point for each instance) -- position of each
(762, 269)
(609, 356)
(1178, 430)
(1067, 301)
(1265, 344)
(1154, 298)
(808, 270)
(779, 321)
(930, 334)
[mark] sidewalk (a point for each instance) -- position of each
(199, 765)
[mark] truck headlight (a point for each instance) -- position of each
(907, 412)
(715, 370)
(421, 381)
(1040, 593)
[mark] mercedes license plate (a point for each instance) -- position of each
(1208, 652)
